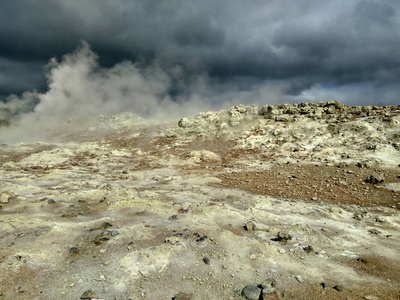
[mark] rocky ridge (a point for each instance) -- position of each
(330, 132)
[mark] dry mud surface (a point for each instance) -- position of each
(133, 209)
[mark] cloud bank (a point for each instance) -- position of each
(155, 55)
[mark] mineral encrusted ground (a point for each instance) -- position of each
(131, 209)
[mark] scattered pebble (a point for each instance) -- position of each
(51, 201)
(299, 278)
(376, 178)
(74, 250)
(309, 249)
(270, 290)
(5, 197)
(182, 296)
(114, 233)
(206, 260)
(339, 288)
(251, 292)
(173, 217)
(250, 226)
(283, 236)
(88, 295)
(324, 286)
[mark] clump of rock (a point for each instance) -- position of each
(376, 178)
(324, 131)
(267, 290)
(283, 236)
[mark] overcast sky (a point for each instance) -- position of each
(208, 50)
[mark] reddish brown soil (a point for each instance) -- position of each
(318, 183)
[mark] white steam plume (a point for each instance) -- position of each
(79, 87)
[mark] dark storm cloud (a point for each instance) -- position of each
(311, 47)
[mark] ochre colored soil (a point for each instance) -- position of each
(318, 183)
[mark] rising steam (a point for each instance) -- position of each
(79, 87)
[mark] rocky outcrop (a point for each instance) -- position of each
(324, 131)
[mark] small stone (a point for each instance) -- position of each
(270, 290)
(173, 217)
(114, 233)
(182, 296)
(283, 236)
(299, 278)
(88, 295)
(309, 249)
(282, 251)
(106, 225)
(362, 260)
(250, 226)
(374, 231)
(172, 240)
(51, 201)
(339, 288)
(324, 286)
(206, 260)
(251, 292)
(5, 198)
(376, 178)
(74, 250)
(267, 283)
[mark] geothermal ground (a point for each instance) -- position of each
(301, 200)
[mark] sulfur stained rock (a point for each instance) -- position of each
(5, 197)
